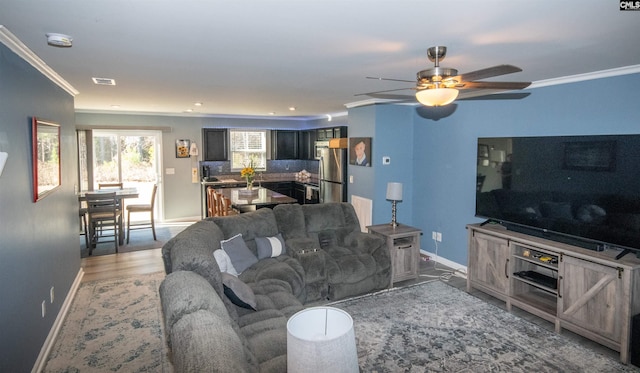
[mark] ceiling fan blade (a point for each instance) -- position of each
(494, 85)
(388, 90)
(488, 73)
(497, 96)
(392, 80)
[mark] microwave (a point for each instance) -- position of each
(318, 146)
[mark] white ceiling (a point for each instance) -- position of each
(255, 57)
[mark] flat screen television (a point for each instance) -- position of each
(580, 190)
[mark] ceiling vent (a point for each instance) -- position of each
(104, 81)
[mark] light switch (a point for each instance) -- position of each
(350, 179)
(170, 171)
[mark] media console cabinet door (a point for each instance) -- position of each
(591, 297)
(489, 261)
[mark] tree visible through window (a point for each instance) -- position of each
(247, 146)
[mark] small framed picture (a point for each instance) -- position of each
(360, 151)
(182, 148)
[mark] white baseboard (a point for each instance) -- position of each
(460, 269)
(57, 324)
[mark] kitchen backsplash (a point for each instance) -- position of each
(277, 166)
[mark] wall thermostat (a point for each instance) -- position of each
(386, 160)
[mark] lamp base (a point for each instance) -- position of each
(394, 224)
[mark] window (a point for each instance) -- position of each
(247, 146)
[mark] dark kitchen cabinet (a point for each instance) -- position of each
(214, 144)
(331, 133)
(282, 187)
(306, 142)
(340, 132)
(284, 144)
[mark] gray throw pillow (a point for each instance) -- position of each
(238, 292)
(240, 255)
(270, 247)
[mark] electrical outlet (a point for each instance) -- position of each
(434, 235)
(51, 294)
(439, 236)
(44, 308)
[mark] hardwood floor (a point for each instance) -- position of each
(123, 264)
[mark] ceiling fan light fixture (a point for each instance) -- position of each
(437, 96)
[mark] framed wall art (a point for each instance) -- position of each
(182, 148)
(45, 148)
(360, 151)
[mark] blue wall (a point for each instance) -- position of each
(38, 241)
(434, 150)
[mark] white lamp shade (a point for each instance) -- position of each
(394, 191)
(321, 339)
(194, 149)
(437, 96)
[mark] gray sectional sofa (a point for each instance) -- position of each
(218, 322)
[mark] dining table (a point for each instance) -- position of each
(244, 200)
(121, 194)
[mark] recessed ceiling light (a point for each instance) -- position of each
(198, 103)
(272, 113)
(189, 111)
(104, 81)
(292, 108)
(115, 106)
(59, 40)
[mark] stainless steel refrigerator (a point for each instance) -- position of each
(332, 174)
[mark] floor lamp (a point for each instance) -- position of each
(394, 194)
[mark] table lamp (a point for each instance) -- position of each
(394, 194)
(321, 339)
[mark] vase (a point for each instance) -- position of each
(249, 184)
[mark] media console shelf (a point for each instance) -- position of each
(587, 292)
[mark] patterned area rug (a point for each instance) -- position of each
(433, 327)
(113, 326)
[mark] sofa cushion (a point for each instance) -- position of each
(282, 268)
(184, 292)
(224, 262)
(270, 247)
(239, 254)
(290, 219)
(238, 292)
(204, 341)
(259, 223)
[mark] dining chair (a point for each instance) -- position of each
(225, 207)
(104, 218)
(82, 214)
(143, 208)
(211, 201)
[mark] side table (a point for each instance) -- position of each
(403, 243)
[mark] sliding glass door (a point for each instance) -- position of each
(130, 157)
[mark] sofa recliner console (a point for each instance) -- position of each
(326, 258)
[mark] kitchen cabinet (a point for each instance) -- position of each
(284, 144)
(214, 144)
(591, 293)
(306, 143)
(282, 187)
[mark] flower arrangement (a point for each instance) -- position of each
(248, 173)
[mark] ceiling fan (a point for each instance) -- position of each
(439, 86)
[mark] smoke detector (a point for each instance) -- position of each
(59, 40)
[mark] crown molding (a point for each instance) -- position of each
(17, 47)
(618, 71)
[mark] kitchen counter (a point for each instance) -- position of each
(235, 181)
